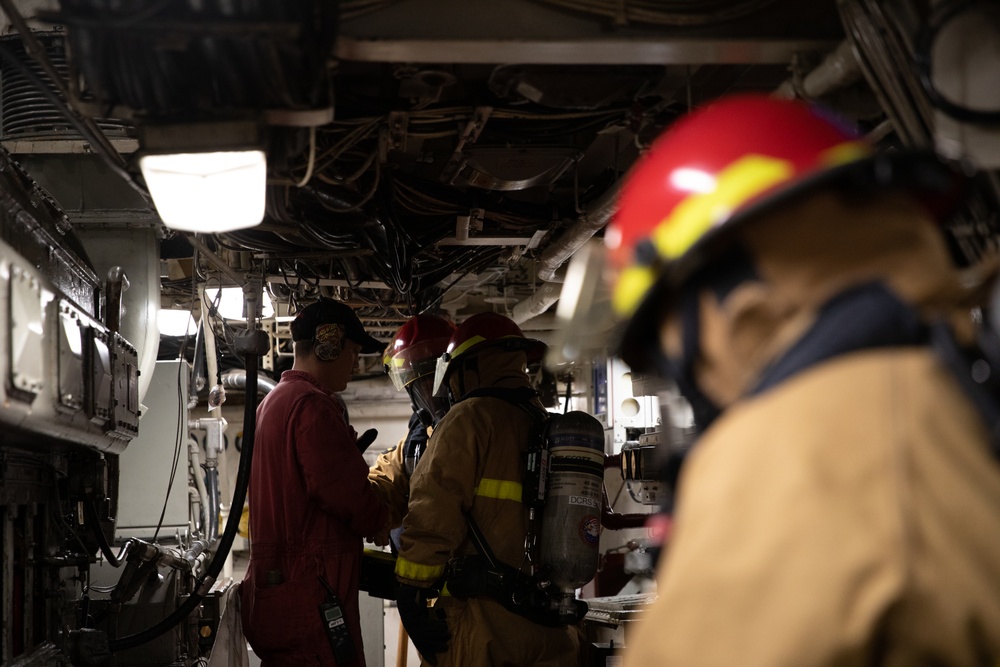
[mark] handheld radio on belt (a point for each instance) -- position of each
(332, 614)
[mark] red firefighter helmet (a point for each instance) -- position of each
(727, 163)
(415, 349)
(482, 331)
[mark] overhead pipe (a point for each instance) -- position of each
(591, 221)
(214, 259)
(537, 303)
(236, 378)
(839, 69)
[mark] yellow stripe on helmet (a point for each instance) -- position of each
(633, 283)
(846, 152)
(465, 346)
(474, 340)
(696, 215)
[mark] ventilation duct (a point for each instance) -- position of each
(119, 229)
(27, 117)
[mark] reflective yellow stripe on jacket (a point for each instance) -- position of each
(487, 488)
(499, 489)
(407, 569)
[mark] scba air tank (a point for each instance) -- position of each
(571, 520)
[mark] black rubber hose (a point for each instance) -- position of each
(95, 525)
(199, 359)
(212, 511)
(232, 525)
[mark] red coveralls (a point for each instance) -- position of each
(311, 504)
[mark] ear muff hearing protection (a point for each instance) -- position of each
(328, 341)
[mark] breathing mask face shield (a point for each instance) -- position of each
(440, 387)
(412, 365)
(584, 313)
(429, 408)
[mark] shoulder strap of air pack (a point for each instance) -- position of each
(523, 397)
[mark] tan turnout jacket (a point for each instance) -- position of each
(850, 515)
(474, 464)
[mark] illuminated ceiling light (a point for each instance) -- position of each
(207, 192)
(176, 323)
(231, 303)
(207, 176)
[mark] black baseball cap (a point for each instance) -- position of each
(329, 311)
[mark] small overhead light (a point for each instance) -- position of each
(176, 323)
(231, 303)
(205, 176)
(207, 192)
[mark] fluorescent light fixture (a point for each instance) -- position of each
(207, 192)
(231, 303)
(176, 323)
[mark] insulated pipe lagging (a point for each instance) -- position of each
(591, 221)
(838, 70)
(236, 378)
(536, 304)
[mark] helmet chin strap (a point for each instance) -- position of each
(734, 268)
(681, 370)
(466, 365)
